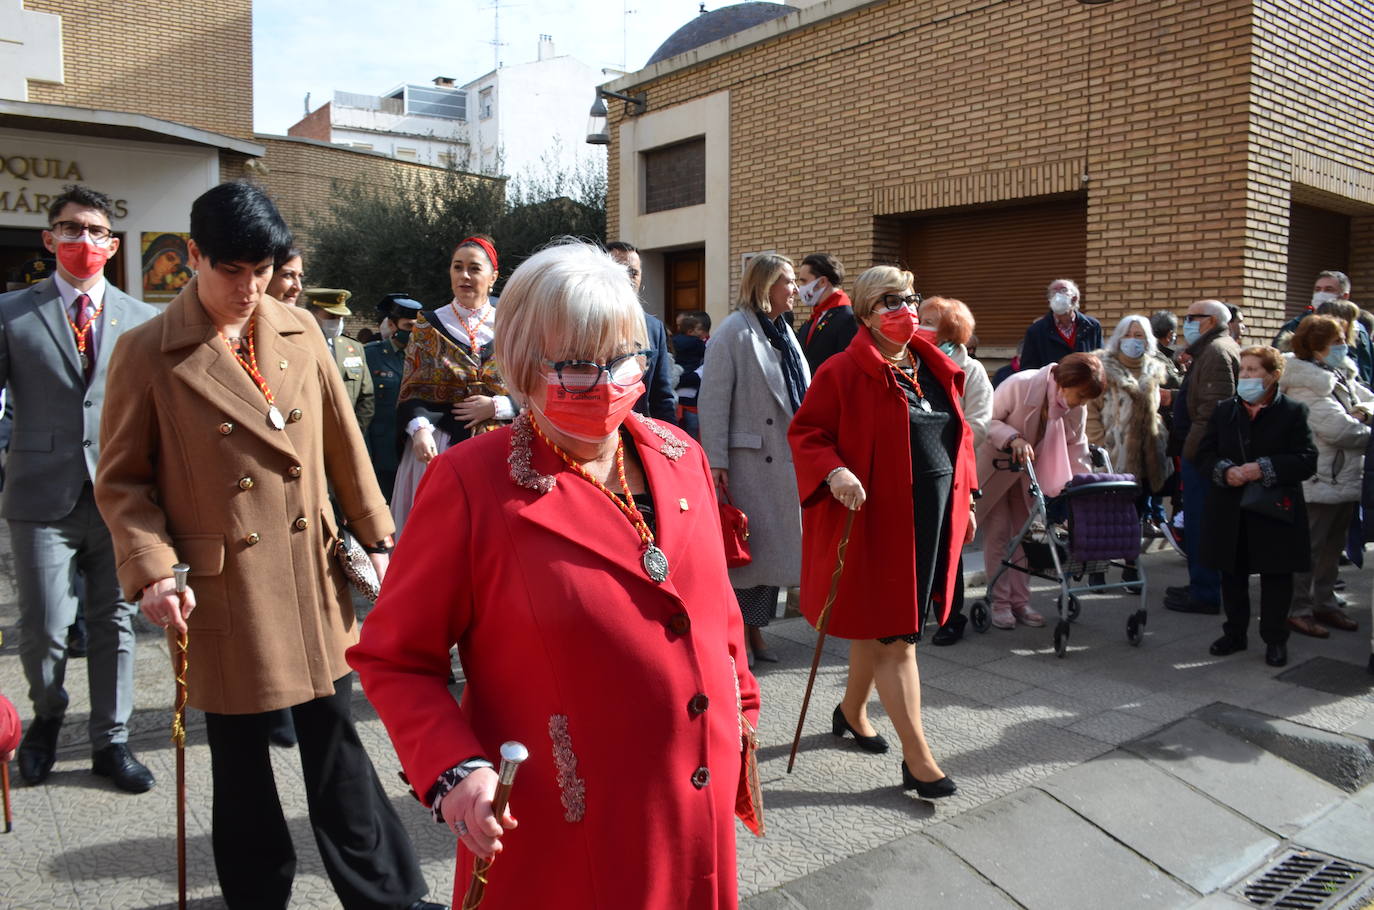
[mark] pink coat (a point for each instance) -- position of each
(1018, 406)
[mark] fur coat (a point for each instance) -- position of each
(1125, 419)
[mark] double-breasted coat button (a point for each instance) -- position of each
(252, 538)
(294, 470)
(768, 459)
(698, 704)
(295, 415)
(682, 504)
(226, 428)
(282, 364)
(302, 523)
(769, 421)
(701, 777)
(679, 623)
(245, 483)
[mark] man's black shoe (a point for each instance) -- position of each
(118, 764)
(1192, 606)
(1276, 655)
(427, 905)
(1178, 592)
(38, 751)
(76, 638)
(951, 631)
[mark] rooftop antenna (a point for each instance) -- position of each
(625, 36)
(496, 42)
(307, 104)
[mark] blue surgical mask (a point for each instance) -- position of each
(948, 347)
(1251, 389)
(1191, 331)
(1133, 348)
(1336, 356)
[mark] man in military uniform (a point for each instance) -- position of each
(329, 306)
(386, 363)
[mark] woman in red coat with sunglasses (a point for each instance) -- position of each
(576, 560)
(881, 432)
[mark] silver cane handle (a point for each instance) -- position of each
(179, 573)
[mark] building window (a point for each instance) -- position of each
(407, 154)
(364, 146)
(448, 159)
(675, 176)
(484, 103)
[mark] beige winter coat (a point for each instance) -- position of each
(1336, 425)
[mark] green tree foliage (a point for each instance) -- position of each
(398, 239)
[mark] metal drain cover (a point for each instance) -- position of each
(1303, 880)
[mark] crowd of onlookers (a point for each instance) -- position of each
(533, 460)
(1182, 402)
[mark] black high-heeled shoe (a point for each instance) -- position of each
(839, 726)
(936, 789)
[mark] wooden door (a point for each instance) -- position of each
(684, 279)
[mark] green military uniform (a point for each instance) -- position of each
(385, 363)
(348, 353)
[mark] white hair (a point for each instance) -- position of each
(569, 301)
(1049, 289)
(1118, 333)
(1217, 310)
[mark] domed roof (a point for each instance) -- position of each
(718, 24)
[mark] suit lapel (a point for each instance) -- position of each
(673, 516)
(47, 303)
(116, 319)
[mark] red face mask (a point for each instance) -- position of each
(82, 259)
(593, 415)
(898, 326)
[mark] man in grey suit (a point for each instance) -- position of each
(55, 344)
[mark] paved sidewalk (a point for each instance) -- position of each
(1105, 779)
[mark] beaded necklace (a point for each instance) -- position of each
(654, 561)
(250, 366)
(470, 325)
(83, 333)
(905, 370)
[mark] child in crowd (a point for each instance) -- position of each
(689, 349)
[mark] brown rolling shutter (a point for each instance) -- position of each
(1318, 240)
(1000, 260)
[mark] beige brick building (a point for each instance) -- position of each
(1155, 150)
(153, 105)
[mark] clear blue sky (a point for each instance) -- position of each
(318, 46)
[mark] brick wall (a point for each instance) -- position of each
(191, 62)
(302, 176)
(1312, 98)
(314, 125)
(838, 127)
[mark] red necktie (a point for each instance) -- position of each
(85, 336)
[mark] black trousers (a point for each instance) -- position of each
(366, 851)
(1276, 593)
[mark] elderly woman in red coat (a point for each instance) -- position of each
(882, 432)
(576, 560)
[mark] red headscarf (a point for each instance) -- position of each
(486, 248)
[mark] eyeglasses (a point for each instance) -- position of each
(71, 231)
(1194, 317)
(891, 303)
(577, 376)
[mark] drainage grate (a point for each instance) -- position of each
(1303, 880)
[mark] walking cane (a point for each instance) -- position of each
(821, 625)
(512, 754)
(5, 785)
(179, 660)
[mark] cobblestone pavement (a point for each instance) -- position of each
(1006, 717)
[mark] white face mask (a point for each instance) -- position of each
(1061, 303)
(810, 292)
(332, 327)
(1321, 297)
